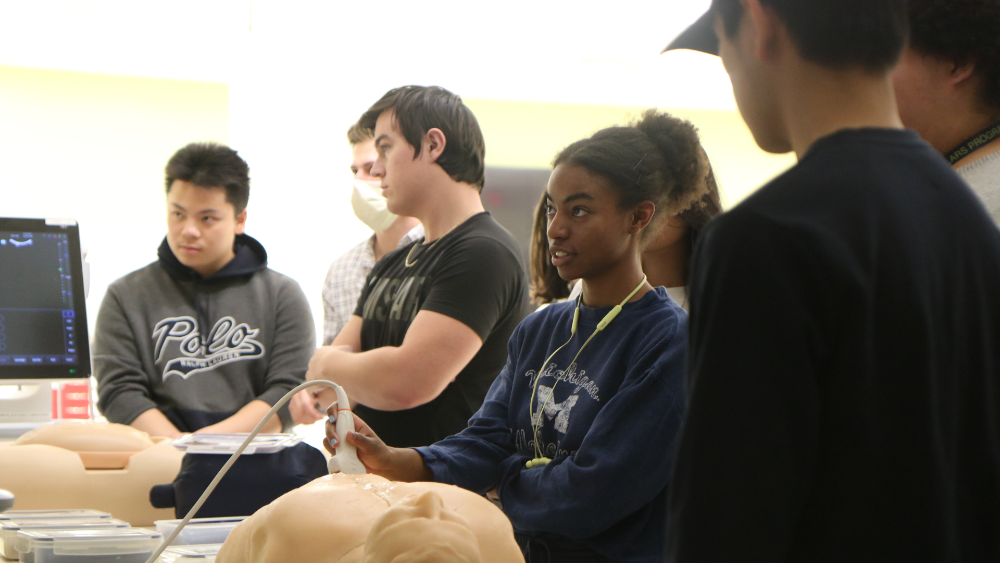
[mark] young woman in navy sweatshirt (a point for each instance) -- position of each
(577, 433)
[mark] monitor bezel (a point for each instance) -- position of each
(82, 370)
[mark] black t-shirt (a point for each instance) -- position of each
(472, 274)
(844, 367)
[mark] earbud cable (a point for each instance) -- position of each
(536, 424)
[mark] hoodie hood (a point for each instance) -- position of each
(250, 257)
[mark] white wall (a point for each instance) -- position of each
(296, 75)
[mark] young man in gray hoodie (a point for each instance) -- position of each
(207, 338)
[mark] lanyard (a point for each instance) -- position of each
(974, 143)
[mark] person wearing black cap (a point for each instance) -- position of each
(948, 87)
(844, 382)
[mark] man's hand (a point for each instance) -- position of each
(324, 357)
(395, 464)
(245, 420)
(303, 408)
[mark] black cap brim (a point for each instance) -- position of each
(699, 36)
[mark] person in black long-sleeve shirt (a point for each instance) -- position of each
(844, 383)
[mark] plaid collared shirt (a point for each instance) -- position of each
(346, 278)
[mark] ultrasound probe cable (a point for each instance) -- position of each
(343, 456)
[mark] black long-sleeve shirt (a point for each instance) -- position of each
(844, 380)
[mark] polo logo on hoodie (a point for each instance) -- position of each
(227, 342)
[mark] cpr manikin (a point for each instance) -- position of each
(78, 464)
(366, 518)
(352, 517)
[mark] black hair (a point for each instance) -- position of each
(546, 284)
(418, 109)
(212, 165)
(962, 31)
(866, 34)
(658, 158)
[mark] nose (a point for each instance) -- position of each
(378, 168)
(557, 228)
(427, 505)
(190, 230)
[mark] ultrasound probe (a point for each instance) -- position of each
(345, 461)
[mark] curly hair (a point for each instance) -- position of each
(963, 31)
(656, 158)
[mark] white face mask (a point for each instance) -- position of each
(370, 207)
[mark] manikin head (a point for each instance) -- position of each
(365, 518)
(421, 530)
(208, 186)
(948, 80)
(427, 142)
(768, 46)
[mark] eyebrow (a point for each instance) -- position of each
(576, 196)
(380, 137)
(181, 207)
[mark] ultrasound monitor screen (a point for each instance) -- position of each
(43, 325)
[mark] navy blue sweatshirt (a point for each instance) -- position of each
(610, 429)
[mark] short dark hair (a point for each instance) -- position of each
(358, 134)
(418, 109)
(212, 165)
(963, 31)
(866, 34)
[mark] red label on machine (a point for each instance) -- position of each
(70, 400)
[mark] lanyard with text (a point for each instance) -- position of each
(974, 143)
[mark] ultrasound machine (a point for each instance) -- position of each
(43, 318)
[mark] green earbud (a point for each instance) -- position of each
(537, 462)
(609, 317)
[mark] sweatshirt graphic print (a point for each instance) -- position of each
(608, 422)
(199, 349)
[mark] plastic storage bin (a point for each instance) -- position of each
(71, 513)
(10, 528)
(112, 545)
(190, 554)
(200, 531)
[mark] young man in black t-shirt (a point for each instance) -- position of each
(430, 331)
(844, 386)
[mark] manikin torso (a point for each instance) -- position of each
(365, 518)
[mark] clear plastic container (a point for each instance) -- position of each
(227, 444)
(71, 513)
(10, 528)
(200, 531)
(190, 554)
(112, 545)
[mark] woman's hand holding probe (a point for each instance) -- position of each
(395, 464)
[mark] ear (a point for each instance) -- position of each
(433, 144)
(961, 73)
(641, 216)
(764, 28)
(241, 222)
